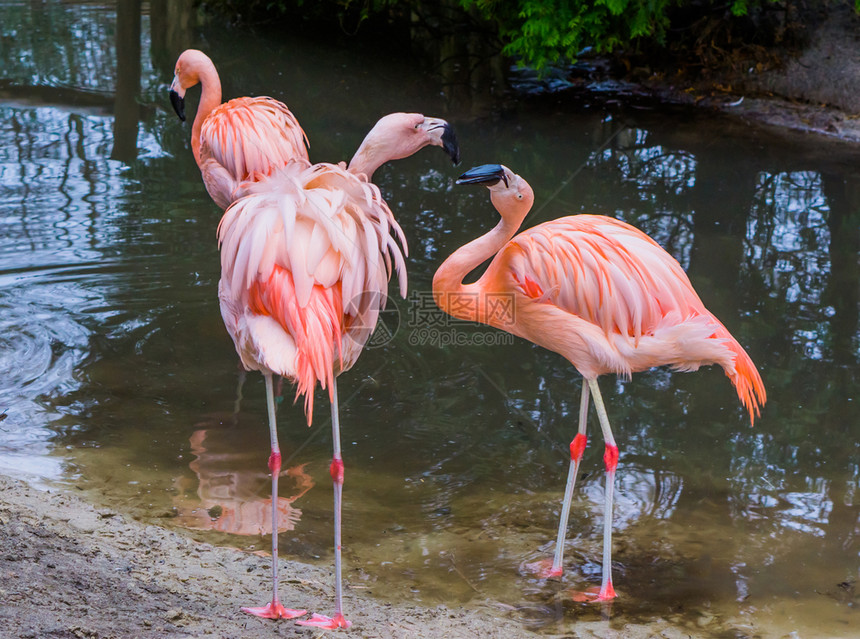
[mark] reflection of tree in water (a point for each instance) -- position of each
(229, 493)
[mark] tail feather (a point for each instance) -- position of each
(315, 329)
(744, 376)
(318, 346)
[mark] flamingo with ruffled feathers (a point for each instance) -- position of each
(306, 257)
(239, 141)
(602, 294)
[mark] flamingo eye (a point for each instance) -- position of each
(519, 196)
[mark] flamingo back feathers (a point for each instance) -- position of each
(617, 278)
(248, 135)
(313, 328)
(311, 249)
(604, 271)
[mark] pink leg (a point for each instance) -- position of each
(577, 447)
(336, 471)
(274, 609)
(610, 459)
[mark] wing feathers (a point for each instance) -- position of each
(606, 272)
(312, 247)
(247, 139)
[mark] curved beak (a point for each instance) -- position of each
(178, 103)
(450, 145)
(486, 174)
(444, 133)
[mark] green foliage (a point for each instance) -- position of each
(543, 32)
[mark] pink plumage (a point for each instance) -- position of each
(305, 261)
(615, 277)
(602, 294)
(306, 256)
(236, 140)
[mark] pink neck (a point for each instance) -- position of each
(366, 160)
(210, 97)
(448, 281)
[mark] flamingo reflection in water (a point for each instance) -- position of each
(228, 491)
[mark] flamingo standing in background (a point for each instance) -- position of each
(237, 141)
(600, 293)
(306, 257)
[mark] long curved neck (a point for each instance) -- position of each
(449, 292)
(367, 158)
(210, 97)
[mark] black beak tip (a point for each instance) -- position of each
(178, 104)
(450, 145)
(486, 174)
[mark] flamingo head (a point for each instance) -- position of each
(511, 195)
(186, 74)
(399, 135)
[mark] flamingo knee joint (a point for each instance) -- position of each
(336, 470)
(577, 447)
(610, 457)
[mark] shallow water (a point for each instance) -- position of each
(117, 377)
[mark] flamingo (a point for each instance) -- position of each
(306, 256)
(237, 141)
(602, 294)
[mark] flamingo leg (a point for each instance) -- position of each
(543, 568)
(610, 460)
(577, 446)
(274, 609)
(336, 470)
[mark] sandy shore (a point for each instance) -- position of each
(71, 570)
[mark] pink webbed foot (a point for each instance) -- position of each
(274, 610)
(594, 594)
(543, 569)
(327, 623)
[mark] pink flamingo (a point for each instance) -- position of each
(237, 141)
(600, 293)
(306, 257)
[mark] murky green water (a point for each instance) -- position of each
(117, 377)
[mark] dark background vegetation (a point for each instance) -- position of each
(695, 39)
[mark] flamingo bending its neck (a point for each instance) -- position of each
(398, 135)
(306, 257)
(240, 140)
(600, 293)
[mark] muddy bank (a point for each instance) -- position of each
(70, 570)
(812, 91)
(816, 91)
